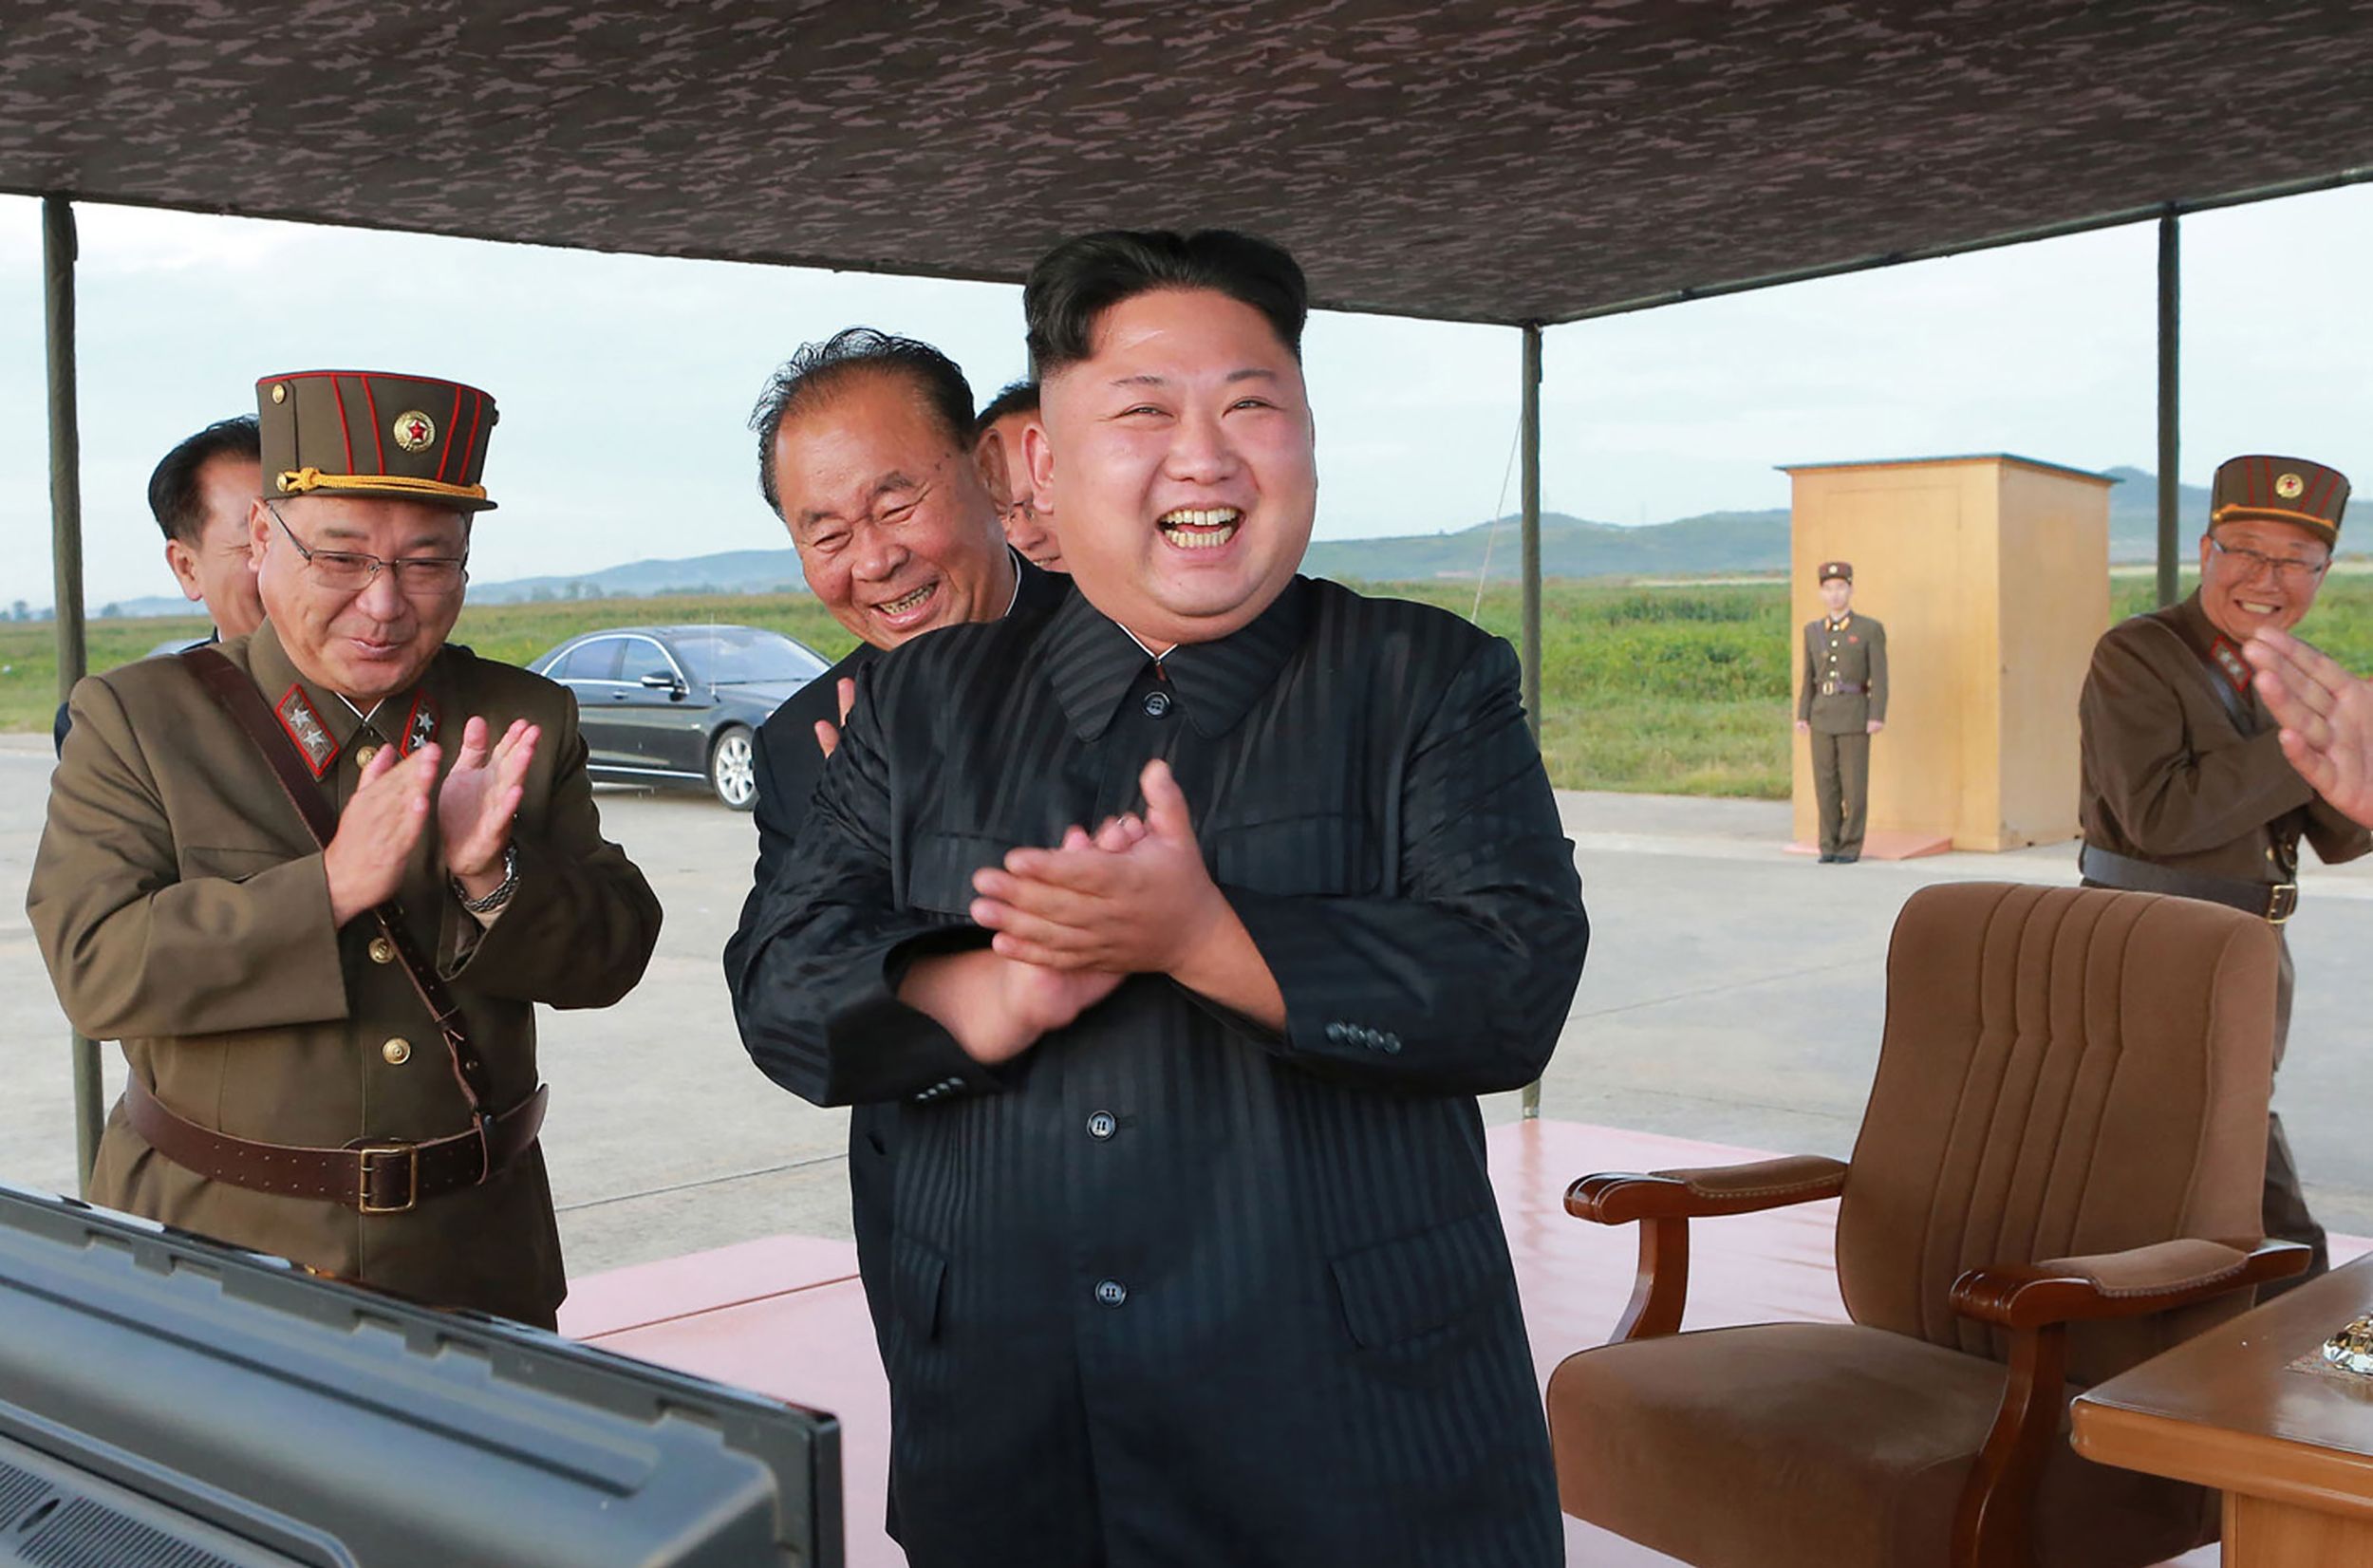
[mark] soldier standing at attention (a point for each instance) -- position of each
(317, 878)
(2185, 788)
(1841, 704)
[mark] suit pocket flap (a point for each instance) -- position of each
(1411, 1285)
(232, 865)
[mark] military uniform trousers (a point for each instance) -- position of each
(1840, 789)
(2286, 1208)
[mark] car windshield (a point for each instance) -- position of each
(743, 656)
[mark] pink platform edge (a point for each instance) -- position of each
(785, 1316)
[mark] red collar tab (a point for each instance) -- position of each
(2228, 657)
(305, 728)
(419, 726)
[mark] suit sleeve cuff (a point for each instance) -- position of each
(880, 1049)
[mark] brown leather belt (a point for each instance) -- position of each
(375, 1176)
(2272, 901)
(1841, 688)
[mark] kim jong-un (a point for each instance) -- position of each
(1182, 928)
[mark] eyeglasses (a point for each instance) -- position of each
(2287, 569)
(350, 571)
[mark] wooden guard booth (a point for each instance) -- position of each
(1990, 574)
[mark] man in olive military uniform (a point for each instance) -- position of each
(330, 1027)
(1841, 704)
(2185, 788)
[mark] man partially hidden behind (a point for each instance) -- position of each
(200, 493)
(291, 1089)
(1841, 704)
(1182, 934)
(997, 444)
(865, 451)
(2185, 787)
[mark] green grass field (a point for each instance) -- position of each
(1677, 689)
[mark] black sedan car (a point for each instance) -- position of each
(677, 705)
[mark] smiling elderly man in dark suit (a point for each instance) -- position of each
(1182, 932)
(864, 452)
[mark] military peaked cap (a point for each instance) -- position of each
(370, 433)
(1837, 569)
(2282, 490)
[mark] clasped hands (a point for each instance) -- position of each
(1071, 923)
(381, 825)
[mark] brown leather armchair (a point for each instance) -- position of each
(2058, 1175)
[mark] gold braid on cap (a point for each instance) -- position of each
(2282, 515)
(296, 481)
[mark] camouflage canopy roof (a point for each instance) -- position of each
(1472, 160)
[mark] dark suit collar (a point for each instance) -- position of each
(1036, 589)
(1091, 663)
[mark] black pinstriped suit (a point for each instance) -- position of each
(787, 761)
(1171, 1289)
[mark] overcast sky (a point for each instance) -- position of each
(624, 382)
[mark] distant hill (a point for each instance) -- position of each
(1570, 547)
(2134, 515)
(731, 571)
(1716, 542)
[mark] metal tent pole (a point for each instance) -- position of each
(2170, 378)
(1531, 441)
(65, 548)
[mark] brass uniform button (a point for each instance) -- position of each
(362, 755)
(382, 951)
(398, 1052)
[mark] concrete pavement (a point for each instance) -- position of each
(1734, 994)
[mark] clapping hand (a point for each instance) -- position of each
(827, 732)
(478, 799)
(996, 1007)
(377, 832)
(2326, 715)
(1133, 899)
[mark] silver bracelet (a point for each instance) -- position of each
(501, 895)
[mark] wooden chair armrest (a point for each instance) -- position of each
(2134, 1284)
(1619, 1198)
(1662, 1204)
(2036, 1302)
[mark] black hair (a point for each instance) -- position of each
(1020, 397)
(173, 493)
(819, 368)
(1075, 283)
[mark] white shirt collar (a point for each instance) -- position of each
(1157, 658)
(1016, 599)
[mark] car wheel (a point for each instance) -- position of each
(733, 770)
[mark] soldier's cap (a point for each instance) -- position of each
(2282, 490)
(372, 433)
(1837, 569)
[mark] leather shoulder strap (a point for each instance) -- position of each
(230, 688)
(239, 697)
